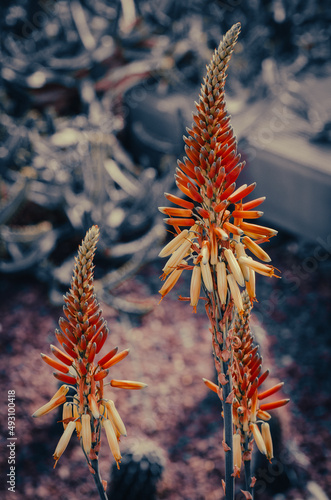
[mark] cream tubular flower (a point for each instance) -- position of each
(64, 440)
(237, 450)
(115, 416)
(266, 435)
(258, 438)
(235, 293)
(112, 441)
(222, 284)
(207, 277)
(86, 433)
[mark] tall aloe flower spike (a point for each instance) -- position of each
(212, 233)
(82, 335)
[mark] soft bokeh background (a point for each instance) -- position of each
(95, 97)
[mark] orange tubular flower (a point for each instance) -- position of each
(208, 176)
(83, 333)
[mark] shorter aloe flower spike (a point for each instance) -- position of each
(82, 335)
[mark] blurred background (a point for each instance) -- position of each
(95, 97)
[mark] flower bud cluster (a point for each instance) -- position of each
(212, 232)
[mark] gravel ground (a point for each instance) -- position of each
(177, 416)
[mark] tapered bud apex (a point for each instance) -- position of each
(213, 387)
(174, 244)
(127, 384)
(116, 358)
(51, 405)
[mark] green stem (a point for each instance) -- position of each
(228, 431)
(227, 409)
(97, 480)
(248, 477)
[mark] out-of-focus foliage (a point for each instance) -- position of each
(94, 99)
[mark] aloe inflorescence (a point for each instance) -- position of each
(215, 233)
(82, 368)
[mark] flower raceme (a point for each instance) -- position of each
(82, 335)
(249, 408)
(212, 232)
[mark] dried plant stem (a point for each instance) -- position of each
(97, 480)
(248, 477)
